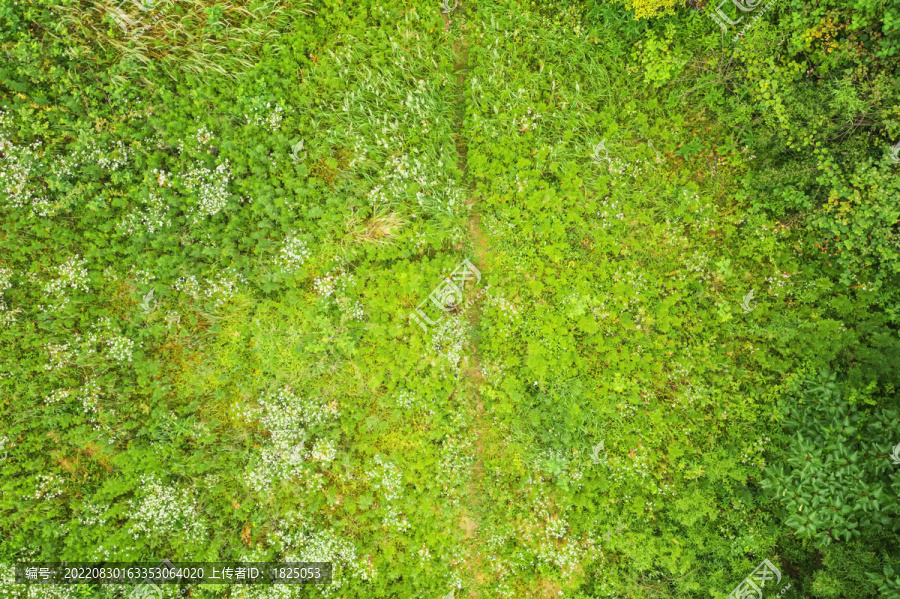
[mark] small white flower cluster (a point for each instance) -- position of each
(212, 186)
(271, 116)
(405, 400)
(324, 450)
(400, 170)
(633, 169)
(386, 477)
(153, 216)
(627, 411)
(90, 396)
(189, 285)
(161, 510)
(753, 453)
(703, 219)
(288, 531)
(697, 263)
(15, 171)
(163, 178)
(60, 355)
(556, 527)
(337, 283)
(219, 290)
(494, 540)
(72, 274)
(109, 274)
(203, 136)
(332, 281)
(260, 591)
(419, 240)
(172, 318)
(456, 559)
(394, 519)
(47, 486)
(245, 413)
(499, 229)
(527, 122)
(636, 282)
(610, 209)
(499, 301)
(520, 185)
(293, 254)
(326, 546)
(5, 283)
(424, 555)
(352, 310)
(141, 276)
(115, 553)
(673, 235)
(455, 465)
(119, 347)
(494, 372)
(315, 482)
(634, 467)
(91, 515)
(448, 339)
(778, 282)
(111, 159)
(678, 371)
(224, 286)
(7, 317)
(288, 419)
(544, 533)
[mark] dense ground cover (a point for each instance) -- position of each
(675, 355)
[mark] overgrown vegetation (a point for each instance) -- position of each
(679, 357)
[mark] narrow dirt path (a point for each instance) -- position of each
(475, 505)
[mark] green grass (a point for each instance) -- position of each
(279, 404)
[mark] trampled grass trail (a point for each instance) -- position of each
(474, 507)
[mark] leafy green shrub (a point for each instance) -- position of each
(862, 217)
(661, 58)
(836, 481)
(813, 92)
(836, 485)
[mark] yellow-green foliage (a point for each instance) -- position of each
(648, 9)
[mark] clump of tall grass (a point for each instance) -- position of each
(193, 36)
(380, 228)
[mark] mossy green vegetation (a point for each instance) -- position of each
(671, 354)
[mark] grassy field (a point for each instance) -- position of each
(471, 302)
